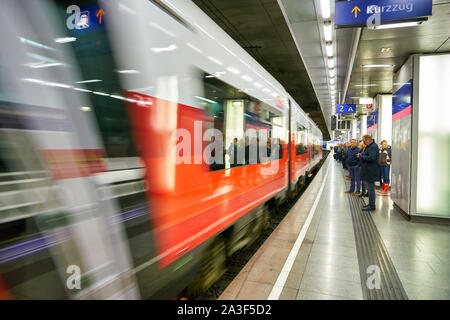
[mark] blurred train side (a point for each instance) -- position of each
(160, 63)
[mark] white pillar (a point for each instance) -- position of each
(363, 125)
(354, 129)
(385, 118)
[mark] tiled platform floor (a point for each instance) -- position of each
(326, 266)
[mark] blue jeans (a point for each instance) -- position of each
(371, 191)
(354, 175)
(385, 174)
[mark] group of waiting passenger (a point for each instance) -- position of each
(366, 163)
(249, 151)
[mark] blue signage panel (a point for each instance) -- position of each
(346, 108)
(358, 12)
(372, 120)
(402, 98)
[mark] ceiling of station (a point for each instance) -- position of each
(433, 36)
(260, 27)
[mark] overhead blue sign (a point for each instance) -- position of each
(346, 108)
(366, 12)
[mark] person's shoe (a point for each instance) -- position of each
(381, 191)
(368, 208)
(361, 195)
(348, 191)
(349, 178)
(358, 194)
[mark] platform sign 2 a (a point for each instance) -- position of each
(346, 108)
(358, 13)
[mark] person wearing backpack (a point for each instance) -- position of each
(384, 161)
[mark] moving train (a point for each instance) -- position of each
(108, 111)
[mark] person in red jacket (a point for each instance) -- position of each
(384, 161)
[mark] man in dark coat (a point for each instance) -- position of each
(369, 162)
(353, 167)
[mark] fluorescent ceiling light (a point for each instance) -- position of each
(65, 40)
(82, 90)
(220, 63)
(377, 65)
(325, 6)
(257, 84)
(35, 44)
(366, 85)
(205, 99)
(365, 100)
(330, 63)
(190, 45)
(89, 81)
(329, 50)
(247, 78)
(332, 80)
(233, 70)
(328, 32)
(40, 65)
(204, 31)
(399, 25)
(169, 48)
(118, 97)
(128, 71)
(332, 73)
(86, 108)
(100, 93)
(47, 83)
(229, 51)
(157, 26)
(266, 90)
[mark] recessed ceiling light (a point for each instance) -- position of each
(331, 72)
(89, 81)
(329, 49)
(65, 40)
(366, 85)
(331, 63)
(386, 49)
(377, 65)
(328, 32)
(325, 6)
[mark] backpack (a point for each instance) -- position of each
(383, 159)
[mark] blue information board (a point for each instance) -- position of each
(357, 12)
(346, 108)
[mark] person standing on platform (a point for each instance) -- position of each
(384, 161)
(353, 167)
(369, 159)
(364, 193)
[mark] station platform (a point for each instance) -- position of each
(328, 248)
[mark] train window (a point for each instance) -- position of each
(233, 112)
(301, 143)
(99, 79)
